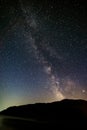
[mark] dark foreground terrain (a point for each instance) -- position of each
(66, 114)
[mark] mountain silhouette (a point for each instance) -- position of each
(63, 114)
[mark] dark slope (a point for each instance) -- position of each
(63, 114)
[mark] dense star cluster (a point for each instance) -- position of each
(43, 51)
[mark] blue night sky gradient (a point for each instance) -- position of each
(43, 51)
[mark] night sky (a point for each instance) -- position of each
(43, 51)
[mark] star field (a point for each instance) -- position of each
(43, 51)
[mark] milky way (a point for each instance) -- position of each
(43, 51)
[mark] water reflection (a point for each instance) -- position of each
(11, 123)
